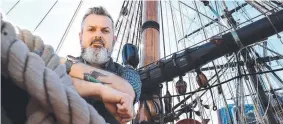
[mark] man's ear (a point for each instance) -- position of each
(114, 40)
(80, 36)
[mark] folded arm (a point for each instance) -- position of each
(122, 109)
(86, 89)
(111, 79)
(125, 83)
(129, 83)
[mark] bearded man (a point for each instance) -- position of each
(111, 88)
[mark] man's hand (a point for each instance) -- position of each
(121, 117)
(122, 109)
(118, 103)
(126, 113)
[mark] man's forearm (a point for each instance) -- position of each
(86, 88)
(113, 80)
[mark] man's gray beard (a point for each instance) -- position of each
(96, 55)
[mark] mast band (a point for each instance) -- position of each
(150, 24)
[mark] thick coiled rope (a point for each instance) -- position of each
(36, 68)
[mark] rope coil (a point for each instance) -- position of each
(36, 68)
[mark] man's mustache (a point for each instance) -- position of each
(97, 40)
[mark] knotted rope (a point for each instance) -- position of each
(36, 68)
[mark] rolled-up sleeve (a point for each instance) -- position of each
(133, 77)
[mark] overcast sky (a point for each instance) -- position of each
(29, 13)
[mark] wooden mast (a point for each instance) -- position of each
(150, 33)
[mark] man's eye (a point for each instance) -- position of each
(105, 31)
(91, 29)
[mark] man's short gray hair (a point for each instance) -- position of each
(98, 11)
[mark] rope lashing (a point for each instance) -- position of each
(34, 67)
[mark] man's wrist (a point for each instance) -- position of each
(69, 63)
(98, 90)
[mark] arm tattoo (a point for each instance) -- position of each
(96, 74)
(90, 78)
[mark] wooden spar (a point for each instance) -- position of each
(192, 58)
(150, 33)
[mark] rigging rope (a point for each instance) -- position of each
(139, 27)
(131, 23)
(45, 15)
(124, 8)
(122, 12)
(121, 42)
(136, 20)
(35, 68)
(183, 32)
(168, 29)
(162, 26)
(13, 7)
(172, 15)
(68, 28)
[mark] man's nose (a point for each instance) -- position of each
(98, 38)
